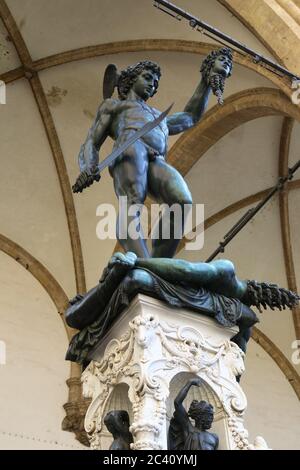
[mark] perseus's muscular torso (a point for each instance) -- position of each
(130, 116)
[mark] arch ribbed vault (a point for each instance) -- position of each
(40, 98)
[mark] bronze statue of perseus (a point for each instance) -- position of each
(142, 169)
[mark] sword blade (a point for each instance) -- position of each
(137, 135)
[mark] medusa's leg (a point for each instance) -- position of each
(245, 324)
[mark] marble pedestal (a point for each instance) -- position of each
(146, 358)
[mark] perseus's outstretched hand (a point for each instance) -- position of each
(84, 180)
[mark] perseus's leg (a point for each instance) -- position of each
(166, 185)
(218, 276)
(130, 182)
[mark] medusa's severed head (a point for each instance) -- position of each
(216, 67)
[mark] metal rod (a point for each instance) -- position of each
(194, 22)
(252, 212)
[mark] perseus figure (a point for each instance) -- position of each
(183, 434)
(142, 170)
